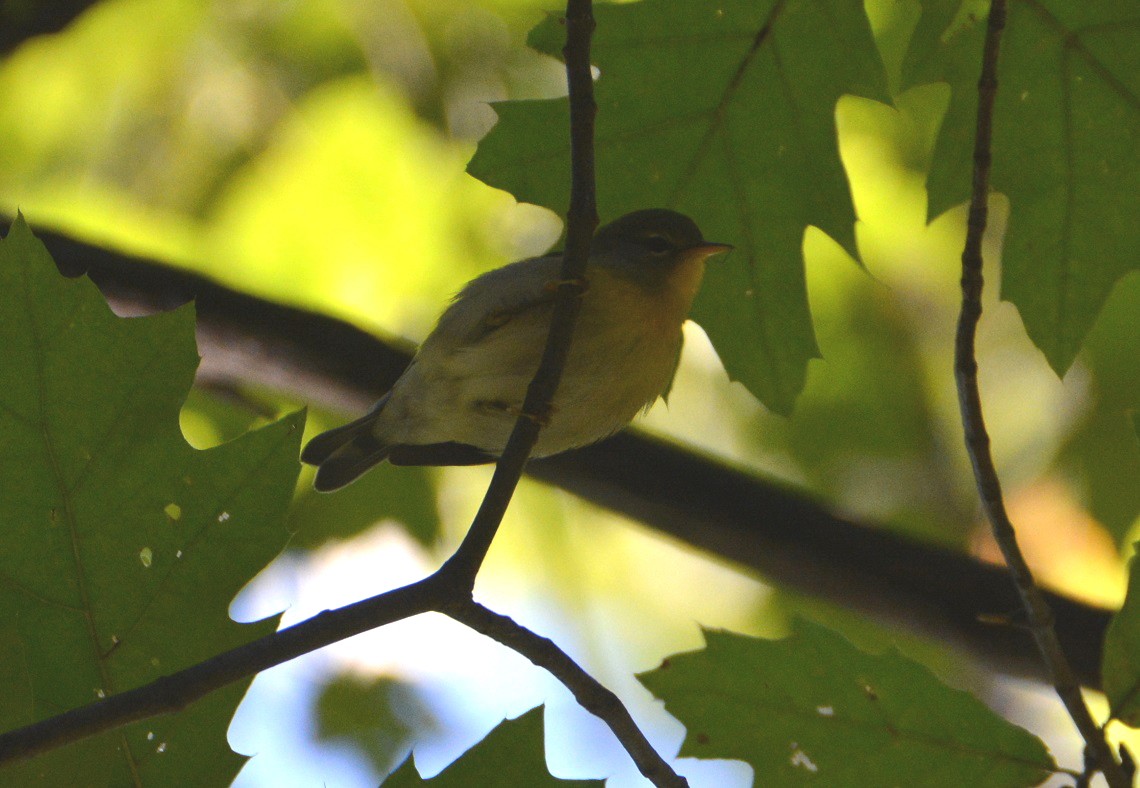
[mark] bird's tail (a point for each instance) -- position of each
(343, 454)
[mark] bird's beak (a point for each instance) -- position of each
(706, 250)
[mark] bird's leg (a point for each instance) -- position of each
(541, 419)
(579, 283)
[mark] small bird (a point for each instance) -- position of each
(457, 402)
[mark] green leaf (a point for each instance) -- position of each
(1120, 665)
(725, 112)
(1066, 149)
(811, 709)
(512, 755)
(120, 545)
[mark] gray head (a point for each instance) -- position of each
(647, 245)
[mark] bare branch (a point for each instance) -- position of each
(589, 693)
(1040, 616)
(581, 219)
(177, 691)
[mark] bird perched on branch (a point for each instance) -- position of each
(457, 402)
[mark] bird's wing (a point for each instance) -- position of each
(494, 299)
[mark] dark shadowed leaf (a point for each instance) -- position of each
(812, 710)
(120, 545)
(1066, 149)
(513, 754)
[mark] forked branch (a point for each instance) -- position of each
(449, 589)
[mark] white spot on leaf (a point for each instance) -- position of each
(801, 760)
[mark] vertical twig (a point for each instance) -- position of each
(1040, 617)
(581, 220)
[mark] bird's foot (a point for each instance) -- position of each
(580, 284)
(498, 407)
(541, 419)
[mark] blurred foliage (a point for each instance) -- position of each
(380, 717)
(1103, 454)
(122, 546)
(219, 134)
(1121, 663)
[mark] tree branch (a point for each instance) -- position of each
(581, 219)
(590, 694)
(450, 587)
(777, 531)
(177, 691)
(1040, 616)
(21, 21)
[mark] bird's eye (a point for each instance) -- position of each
(658, 244)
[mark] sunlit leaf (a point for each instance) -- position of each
(120, 545)
(1066, 149)
(725, 112)
(811, 709)
(512, 755)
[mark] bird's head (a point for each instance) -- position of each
(655, 248)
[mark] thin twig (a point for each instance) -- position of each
(1040, 616)
(589, 693)
(178, 690)
(581, 219)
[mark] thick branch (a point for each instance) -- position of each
(589, 693)
(21, 21)
(1040, 616)
(771, 528)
